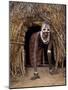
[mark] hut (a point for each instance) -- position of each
(23, 17)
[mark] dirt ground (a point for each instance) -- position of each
(46, 79)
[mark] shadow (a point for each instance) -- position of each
(33, 29)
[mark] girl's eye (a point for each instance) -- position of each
(48, 29)
(44, 29)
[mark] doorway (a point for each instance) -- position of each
(31, 30)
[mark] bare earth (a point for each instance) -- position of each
(46, 79)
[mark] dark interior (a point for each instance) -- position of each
(33, 29)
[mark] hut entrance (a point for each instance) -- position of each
(31, 30)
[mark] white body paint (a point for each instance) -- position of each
(47, 30)
(49, 51)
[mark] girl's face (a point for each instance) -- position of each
(45, 30)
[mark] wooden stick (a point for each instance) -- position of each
(13, 42)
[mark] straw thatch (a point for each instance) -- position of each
(21, 16)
